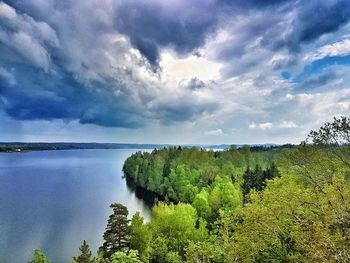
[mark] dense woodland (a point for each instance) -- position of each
(282, 204)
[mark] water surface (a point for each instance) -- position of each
(55, 199)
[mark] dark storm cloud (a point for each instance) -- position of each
(70, 78)
(182, 25)
(316, 18)
(280, 26)
(40, 96)
(331, 77)
(195, 84)
(148, 48)
(185, 25)
(311, 20)
(317, 81)
(69, 59)
(252, 4)
(168, 112)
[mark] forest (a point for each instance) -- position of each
(242, 204)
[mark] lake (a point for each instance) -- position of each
(53, 200)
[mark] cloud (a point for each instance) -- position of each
(150, 25)
(319, 80)
(339, 48)
(246, 41)
(180, 65)
(317, 18)
(29, 38)
(262, 126)
(191, 67)
(269, 125)
(110, 85)
(193, 83)
(7, 77)
(288, 125)
(215, 132)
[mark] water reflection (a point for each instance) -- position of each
(55, 199)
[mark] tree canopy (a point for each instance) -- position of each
(283, 204)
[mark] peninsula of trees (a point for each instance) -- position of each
(289, 204)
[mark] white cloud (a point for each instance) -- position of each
(189, 67)
(262, 126)
(269, 125)
(288, 124)
(215, 132)
(340, 48)
(7, 12)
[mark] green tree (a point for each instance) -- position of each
(203, 252)
(159, 248)
(245, 151)
(334, 138)
(224, 195)
(201, 204)
(176, 225)
(117, 233)
(173, 257)
(85, 254)
(140, 236)
(256, 179)
(127, 256)
(332, 133)
(39, 257)
(301, 216)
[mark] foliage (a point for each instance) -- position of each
(332, 133)
(179, 174)
(201, 204)
(127, 256)
(177, 226)
(294, 206)
(116, 235)
(85, 254)
(140, 236)
(334, 139)
(39, 257)
(256, 179)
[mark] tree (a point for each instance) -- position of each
(140, 236)
(202, 252)
(201, 204)
(332, 133)
(128, 256)
(334, 138)
(256, 179)
(245, 151)
(175, 226)
(224, 195)
(116, 236)
(304, 214)
(39, 257)
(85, 254)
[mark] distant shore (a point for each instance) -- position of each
(13, 147)
(18, 147)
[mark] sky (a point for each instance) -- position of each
(172, 71)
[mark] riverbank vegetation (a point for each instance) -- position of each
(282, 204)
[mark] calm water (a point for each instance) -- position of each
(55, 199)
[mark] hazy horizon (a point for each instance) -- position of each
(135, 143)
